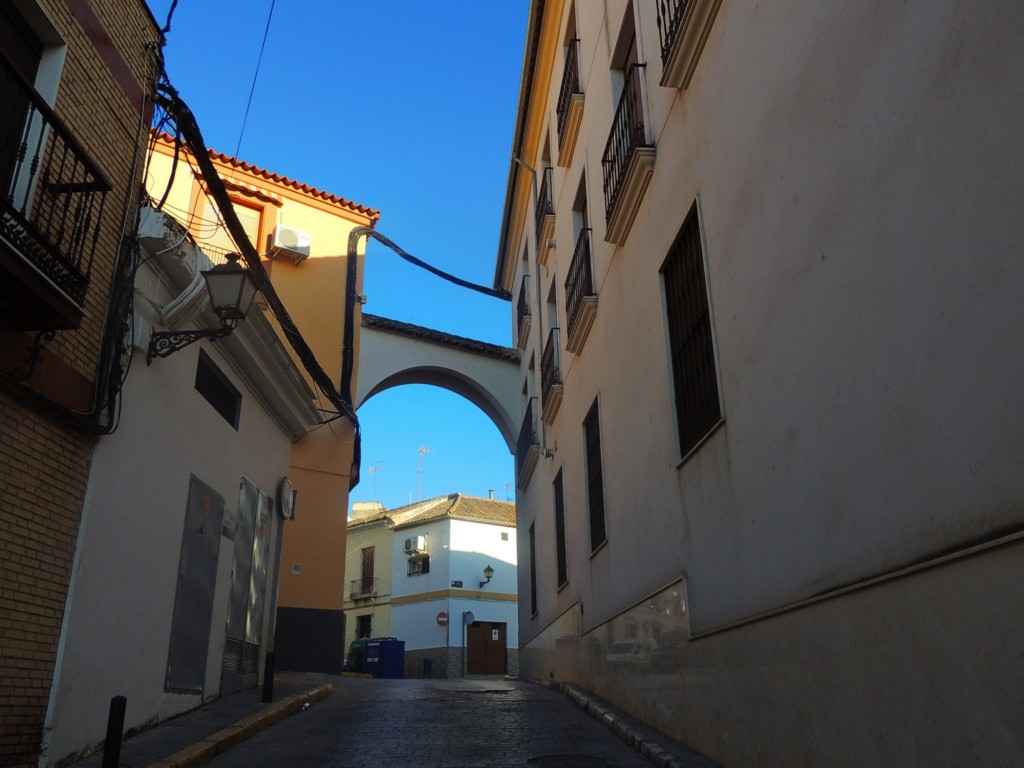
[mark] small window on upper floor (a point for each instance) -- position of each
(419, 564)
(217, 390)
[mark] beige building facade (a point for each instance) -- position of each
(769, 497)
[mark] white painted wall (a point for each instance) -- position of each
(858, 173)
(459, 551)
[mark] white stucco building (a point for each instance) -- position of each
(767, 259)
(174, 583)
(444, 583)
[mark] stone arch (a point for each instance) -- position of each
(392, 353)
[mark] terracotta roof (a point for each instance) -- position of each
(255, 170)
(457, 506)
(439, 337)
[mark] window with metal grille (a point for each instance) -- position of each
(595, 477)
(563, 574)
(533, 572)
(694, 377)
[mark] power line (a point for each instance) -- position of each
(256, 74)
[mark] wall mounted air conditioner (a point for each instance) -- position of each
(291, 242)
(415, 545)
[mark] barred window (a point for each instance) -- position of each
(563, 573)
(694, 377)
(595, 477)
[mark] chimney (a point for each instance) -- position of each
(364, 509)
(490, 493)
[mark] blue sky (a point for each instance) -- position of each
(405, 106)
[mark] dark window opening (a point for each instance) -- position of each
(419, 564)
(217, 390)
(563, 574)
(694, 377)
(363, 625)
(595, 479)
(533, 573)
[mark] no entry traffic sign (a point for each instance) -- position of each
(442, 619)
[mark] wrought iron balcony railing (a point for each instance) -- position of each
(523, 313)
(670, 17)
(363, 587)
(570, 85)
(551, 378)
(51, 205)
(527, 446)
(628, 134)
(545, 204)
(580, 282)
(522, 307)
(550, 367)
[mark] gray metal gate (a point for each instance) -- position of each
(244, 630)
(193, 598)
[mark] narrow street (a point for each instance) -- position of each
(472, 723)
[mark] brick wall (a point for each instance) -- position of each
(44, 460)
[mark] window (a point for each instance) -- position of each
(595, 479)
(562, 572)
(533, 572)
(366, 557)
(364, 625)
(214, 386)
(419, 564)
(220, 241)
(694, 377)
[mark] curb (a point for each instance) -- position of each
(649, 748)
(206, 749)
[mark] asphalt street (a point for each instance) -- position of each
(472, 723)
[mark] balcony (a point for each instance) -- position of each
(683, 27)
(580, 296)
(550, 379)
(363, 588)
(628, 159)
(524, 319)
(570, 104)
(51, 204)
(527, 447)
(545, 219)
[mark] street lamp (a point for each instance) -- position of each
(488, 573)
(231, 291)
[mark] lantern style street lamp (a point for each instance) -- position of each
(231, 291)
(488, 574)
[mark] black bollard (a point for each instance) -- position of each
(268, 679)
(115, 730)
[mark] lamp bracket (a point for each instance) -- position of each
(166, 343)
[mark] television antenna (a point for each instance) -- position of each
(377, 467)
(508, 487)
(419, 471)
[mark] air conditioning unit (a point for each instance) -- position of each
(415, 545)
(291, 242)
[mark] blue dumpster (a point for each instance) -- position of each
(385, 658)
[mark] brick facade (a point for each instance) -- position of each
(45, 441)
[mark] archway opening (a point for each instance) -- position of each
(421, 441)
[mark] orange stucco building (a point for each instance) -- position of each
(301, 234)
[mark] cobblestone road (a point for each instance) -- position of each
(474, 723)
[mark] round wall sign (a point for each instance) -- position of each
(286, 499)
(442, 619)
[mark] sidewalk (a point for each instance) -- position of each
(195, 737)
